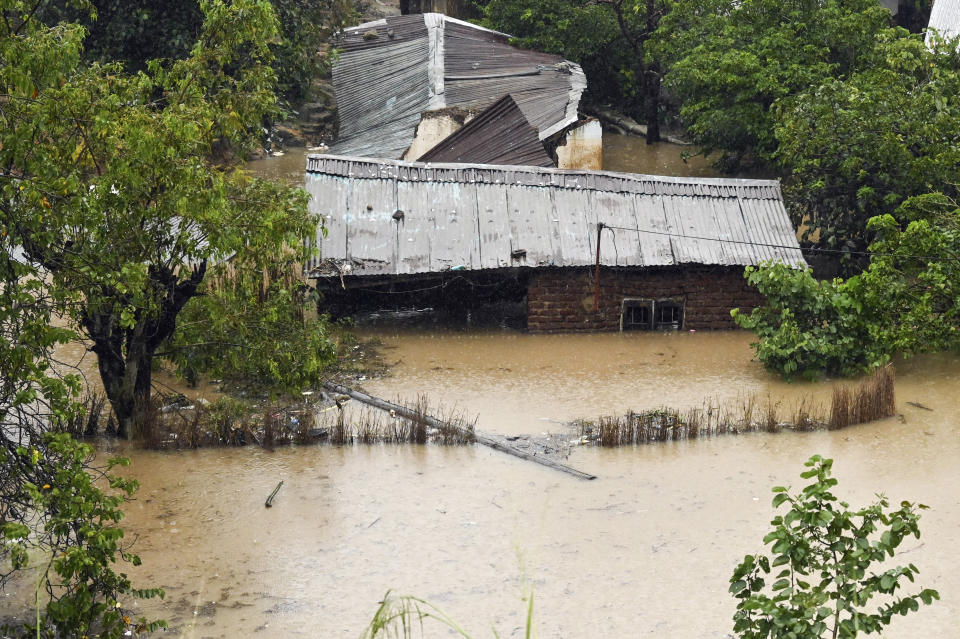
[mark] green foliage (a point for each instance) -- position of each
(56, 513)
(121, 186)
(822, 563)
(254, 327)
(808, 327)
(732, 63)
(608, 39)
(906, 302)
(74, 532)
(914, 276)
(134, 32)
(859, 146)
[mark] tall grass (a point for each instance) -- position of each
(404, 616)
(230, 422)
(870, 400)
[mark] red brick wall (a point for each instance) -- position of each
(561, 299)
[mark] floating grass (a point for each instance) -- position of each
(870, 400)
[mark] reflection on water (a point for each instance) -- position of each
(646, 549)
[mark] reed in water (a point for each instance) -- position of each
(870, 400)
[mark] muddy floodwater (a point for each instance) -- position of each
(623, 153)
(644, 550)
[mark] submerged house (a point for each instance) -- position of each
(405, 83)
(583, 250)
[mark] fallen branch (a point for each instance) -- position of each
(269, 501)
(495, 442)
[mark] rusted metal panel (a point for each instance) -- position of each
(499, 135)
(482, 216)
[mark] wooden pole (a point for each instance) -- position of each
(492, 441)
(596, 275)
(269, 501)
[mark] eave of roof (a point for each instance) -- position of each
(390, 217)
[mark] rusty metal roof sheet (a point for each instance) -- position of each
(393, 217)
(390, 71)
(499, 135)
(944, 19)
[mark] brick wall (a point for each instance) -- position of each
(561, 299)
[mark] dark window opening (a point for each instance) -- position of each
(637, 315)
(650, 314)
(668, 315)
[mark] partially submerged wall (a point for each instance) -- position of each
(561, 299)
(583, 148)
(434, 127)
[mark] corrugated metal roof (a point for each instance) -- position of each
(499, 135)
(393, 217)
(390, 71)
(945, 19)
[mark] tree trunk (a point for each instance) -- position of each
(125, 354)
(651, 82)
(652, 104)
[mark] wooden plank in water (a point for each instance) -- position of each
(495, 442)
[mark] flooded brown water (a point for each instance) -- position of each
(623, 153)
(646, 549)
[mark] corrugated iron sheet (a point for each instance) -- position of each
(945, 19)
(392, 217)
(390, 71)
(499, 135)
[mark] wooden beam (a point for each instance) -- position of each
(495, 442)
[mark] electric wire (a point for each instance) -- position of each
(811, 249)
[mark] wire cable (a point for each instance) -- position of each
(783, 246)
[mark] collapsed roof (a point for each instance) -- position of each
(498, 135)
(386, 217)
(392, 70)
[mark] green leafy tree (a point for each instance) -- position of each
(135, 32)
(825, 565)
(255, 327)
(809, 327)
(730, 63)
(611, 39)
(906, 302)
(121, 187)
(859, 146)
(59, 513)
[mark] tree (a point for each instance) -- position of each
(136, 31)
(121, 186)
(55, 508)
(824, 551)
(859, 146)
(809, 327)
(611, 39)
(254, 327)
(728, 64)
(906, 302)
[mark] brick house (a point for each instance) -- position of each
(582, 250)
